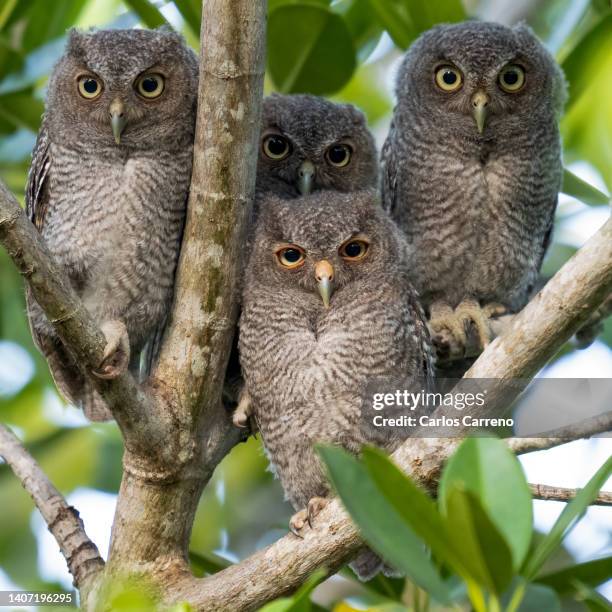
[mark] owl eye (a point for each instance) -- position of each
(276, 147)
(89, 87)
(448, 78)
(339, 155)
(354, 249)
(291, 256)
(511, 78)
(150, 85)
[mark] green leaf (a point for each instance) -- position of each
(420, 512)
(191, 11)
(535, 598)
(593, 600)
(572, 512)
(20, 109)
(404, 20)
(472, 530)
(574, 186)
(381, 525)
(310, 49)
(147, 13)
(362, 24)
(592, 573)
(486, 468)
(394, 18)
(591, 47)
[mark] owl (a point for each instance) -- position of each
(471, 169)
(107, 190)
(328, 309)
(309, 143)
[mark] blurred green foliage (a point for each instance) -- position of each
(345, 49)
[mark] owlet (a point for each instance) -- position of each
(328, 309)
(471, 169)
(108, 188)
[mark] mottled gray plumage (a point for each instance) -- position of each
(108, 187)
(311, 127)
(477, 208)
(307, 366)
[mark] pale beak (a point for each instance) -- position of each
(306, 174)
(117, 118)
(324, 273)
(480, 101)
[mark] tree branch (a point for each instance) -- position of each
(81, 554)
(587, 428)
(534, 336)
(546, 492)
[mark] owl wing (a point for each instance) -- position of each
(37, 192)
(389, 177)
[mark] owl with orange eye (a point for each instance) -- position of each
(471, 170)
(107, 190)
(309, 143)
(328, 310)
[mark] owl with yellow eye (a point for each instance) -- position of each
(107, 190)
(309, 143)
(328, 312)
(471, 170)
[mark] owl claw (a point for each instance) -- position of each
(297, 522)
(306, 516)
(116, 356)
(243, 410)
(449, 327)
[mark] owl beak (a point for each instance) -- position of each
(324, 273)
(117, 118)
(306, 174)
(480, 101)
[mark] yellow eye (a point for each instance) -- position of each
(276, 147)
(354, 249)
(449, 78)
(511, 78)
(90, 87)
(150, 85)
(291, 256)
(339, 155)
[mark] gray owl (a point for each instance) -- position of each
(471, 169)
(309, 143)
(328, 309)
(108, 188)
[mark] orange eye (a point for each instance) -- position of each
(291, 256)
(354, 249)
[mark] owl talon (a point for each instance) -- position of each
(297, 522)
(315, 505)
(243, 410)
(447, 330)
(116, 356)
(471, 313)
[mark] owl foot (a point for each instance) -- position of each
(116, 357)
(243, 411)
(450, 327)
(306, 516)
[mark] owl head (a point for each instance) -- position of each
(332, 239)
(124, 88)
(309, 143)
(481, 79)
